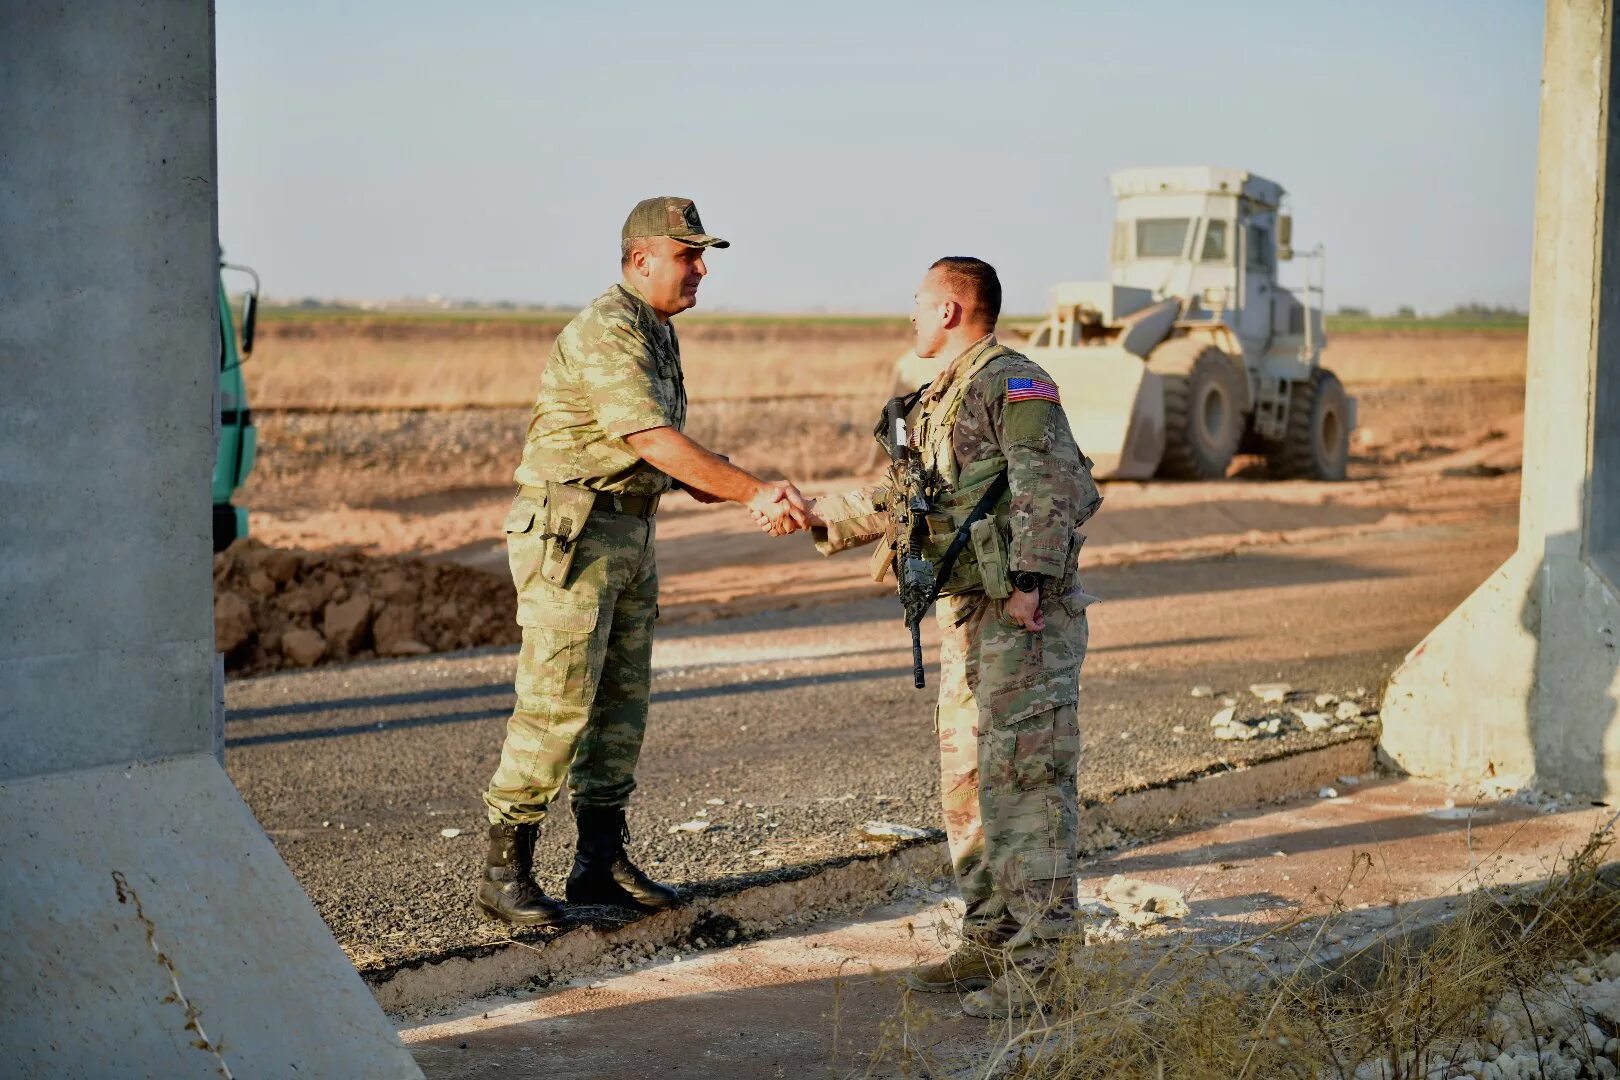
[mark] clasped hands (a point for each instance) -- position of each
(780, 508)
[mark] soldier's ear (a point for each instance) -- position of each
(951, 313)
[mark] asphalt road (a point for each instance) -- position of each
(803, 724)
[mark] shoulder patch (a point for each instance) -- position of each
(1028, 389)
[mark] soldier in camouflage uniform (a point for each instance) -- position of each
(1013, 623)
(604, 444)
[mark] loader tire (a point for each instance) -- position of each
(1317, 444)
(1203, 420)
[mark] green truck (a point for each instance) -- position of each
(238, 440)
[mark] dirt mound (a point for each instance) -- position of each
(278, 608)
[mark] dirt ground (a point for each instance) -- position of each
(434, 485)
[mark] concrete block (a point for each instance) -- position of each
(82, 989)
(1522, 680)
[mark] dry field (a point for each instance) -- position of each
(398, 363)
(386, 460)
(391, 363)
(354, 407)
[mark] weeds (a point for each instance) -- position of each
(1424, 1000)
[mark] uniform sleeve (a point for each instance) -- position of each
(852, 518)
(616, 368)
(1050, 487)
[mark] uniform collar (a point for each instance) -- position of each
(963, 361)
(641, 302)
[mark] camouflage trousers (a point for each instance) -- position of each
(1009, 752)
(584, 670)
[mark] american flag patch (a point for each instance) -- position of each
(1031, 390)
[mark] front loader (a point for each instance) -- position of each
(1192, 352)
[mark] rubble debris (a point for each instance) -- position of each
(233, 622)
(1203, 691)
(346, 624)
(1271, 693)
(695, 826)
(1348, 710)
(302, 647)
(1141, 904)
(1226, 727)
(1313, 721)
(272, 605)
(449, 834)
(1323, 701)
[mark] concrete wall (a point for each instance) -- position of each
(108, 252)
(1521, 684)
(149, 927)
(1603, 544)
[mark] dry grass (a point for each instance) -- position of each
(1122, 1011)
(377, 363)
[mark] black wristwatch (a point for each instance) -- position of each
(1025, 581)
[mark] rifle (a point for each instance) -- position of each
(909, 510)
(914, 491)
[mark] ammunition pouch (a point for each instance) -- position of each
(986, 537)
(990, 553)
(561, 514)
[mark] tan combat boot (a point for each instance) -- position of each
(971, 967)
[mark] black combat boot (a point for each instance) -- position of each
(508, 891)
(603, 873)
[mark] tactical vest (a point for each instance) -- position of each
(961, 488)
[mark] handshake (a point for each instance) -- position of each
(780, 508)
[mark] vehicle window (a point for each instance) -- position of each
(1214, 242)
(1161, 238)
(1259, 255)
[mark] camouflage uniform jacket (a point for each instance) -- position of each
(613, 371)
(968, 433)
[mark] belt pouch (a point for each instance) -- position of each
(991, 555)
(567, 509)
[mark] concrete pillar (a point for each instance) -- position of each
(149, 927)
(1522, 680)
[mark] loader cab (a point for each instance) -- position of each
(1208, 235)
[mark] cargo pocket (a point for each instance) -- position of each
(1076, 600)
(1013, 680)
(558, 640)
(523, 544)
(1027, 752)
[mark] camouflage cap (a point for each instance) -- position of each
(671, 216)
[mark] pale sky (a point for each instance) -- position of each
(491, 151)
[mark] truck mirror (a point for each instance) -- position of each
(250, 317)
(1285, 236)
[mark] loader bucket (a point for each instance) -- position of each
(1115, 407)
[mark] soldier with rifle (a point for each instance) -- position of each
(982, 511)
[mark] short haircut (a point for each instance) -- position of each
(975, 283)
(629, 245)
